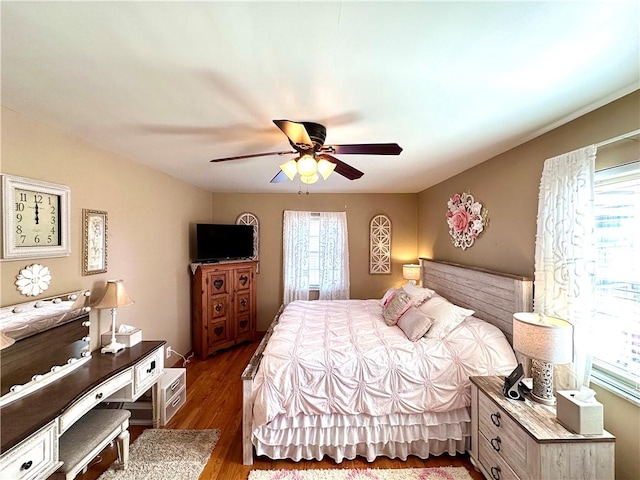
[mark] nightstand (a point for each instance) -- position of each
(514, 439)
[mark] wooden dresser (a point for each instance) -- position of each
(513, 439)
(223, 310)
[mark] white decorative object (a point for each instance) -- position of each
(466, 219)
(33, 280)
(547, 341)
(380, 245)
(115, 296)
(580, 414)
(251, 219)
(35, 218)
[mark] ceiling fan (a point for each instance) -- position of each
(307, 140)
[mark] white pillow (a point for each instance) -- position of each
(446, 316)
(418, 294)
(400, 302)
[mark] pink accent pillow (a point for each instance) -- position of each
(415, 324)
(393, 310)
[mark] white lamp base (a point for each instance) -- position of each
(113, 347)
(542, 373)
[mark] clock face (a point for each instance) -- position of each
(37, 218)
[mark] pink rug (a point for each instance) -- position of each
(436, 473)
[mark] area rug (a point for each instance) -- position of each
(435, 473)
(160, 454)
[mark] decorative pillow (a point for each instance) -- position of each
(418, 294)
(446, 316)
(386, 298)
(414, 324)
(400, 303)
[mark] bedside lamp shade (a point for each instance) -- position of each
(547, 341)
(115, 296)
(411, 272)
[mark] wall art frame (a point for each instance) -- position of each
(95, 228)
(380, 245)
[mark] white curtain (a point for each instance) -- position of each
(565, 255)
(333, 256)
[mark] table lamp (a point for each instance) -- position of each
(411, 272)
(115, 296)
(547, 341)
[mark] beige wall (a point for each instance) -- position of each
(149, 214)
(507, 186)
(360, 208)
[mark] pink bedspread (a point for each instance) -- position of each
(339, 357)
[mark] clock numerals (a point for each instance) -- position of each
(33, 209)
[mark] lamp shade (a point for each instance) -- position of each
(325, 167)
(309, 179)
(544, 338)
(307, 166)
(115, 296)
(290, 169)
(411, 272)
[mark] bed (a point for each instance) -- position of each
(342, 379)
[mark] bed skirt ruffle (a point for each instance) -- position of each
(345, 437)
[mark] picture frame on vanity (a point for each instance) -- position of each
(95, 228)
(35, 219)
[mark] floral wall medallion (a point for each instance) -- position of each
(33, 280)
(466, 219)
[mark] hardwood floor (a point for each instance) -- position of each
(214, 400)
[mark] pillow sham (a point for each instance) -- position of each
(414, 323)
(399, 303)
(386, 298)
(446, 316)
(418, 294)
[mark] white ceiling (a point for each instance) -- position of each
(175, 84)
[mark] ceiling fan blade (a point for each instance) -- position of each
(342, 168)
(280, 177)
(251, 155)
(364, 149)
(296, 133)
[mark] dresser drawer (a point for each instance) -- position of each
(172, 406)
(496, 466)
(173, 380)
(504, 436)
(147, 372)
(94, 397)
(36, 457)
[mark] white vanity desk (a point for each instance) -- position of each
(33, 425)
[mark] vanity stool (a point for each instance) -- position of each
(89, 436)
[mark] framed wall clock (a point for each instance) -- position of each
(35, 218)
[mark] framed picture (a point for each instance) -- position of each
(94, 241)
(35, 218)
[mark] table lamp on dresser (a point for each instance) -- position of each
(547, 341)
(115, 296)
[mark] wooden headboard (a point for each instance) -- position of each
(494, 296)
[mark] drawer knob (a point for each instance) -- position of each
(26, 465)
(495, 418)
(495, 473)
(176, 401)
(217, 308)
(99, 396)
(495, 443)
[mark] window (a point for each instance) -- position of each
(616, 358)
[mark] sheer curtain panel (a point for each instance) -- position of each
(332, 265)
(564, 276)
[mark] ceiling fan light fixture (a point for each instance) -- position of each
(325, 167)
(309, 179)
(290, 169)
(307, 166)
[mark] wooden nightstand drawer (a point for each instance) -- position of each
(504, 436)
(496, 465)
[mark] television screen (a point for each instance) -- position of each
(215, 242)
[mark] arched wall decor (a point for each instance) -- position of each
(466, 219)
(250, 219)
(380, 245)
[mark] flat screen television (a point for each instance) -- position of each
(216, 242)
